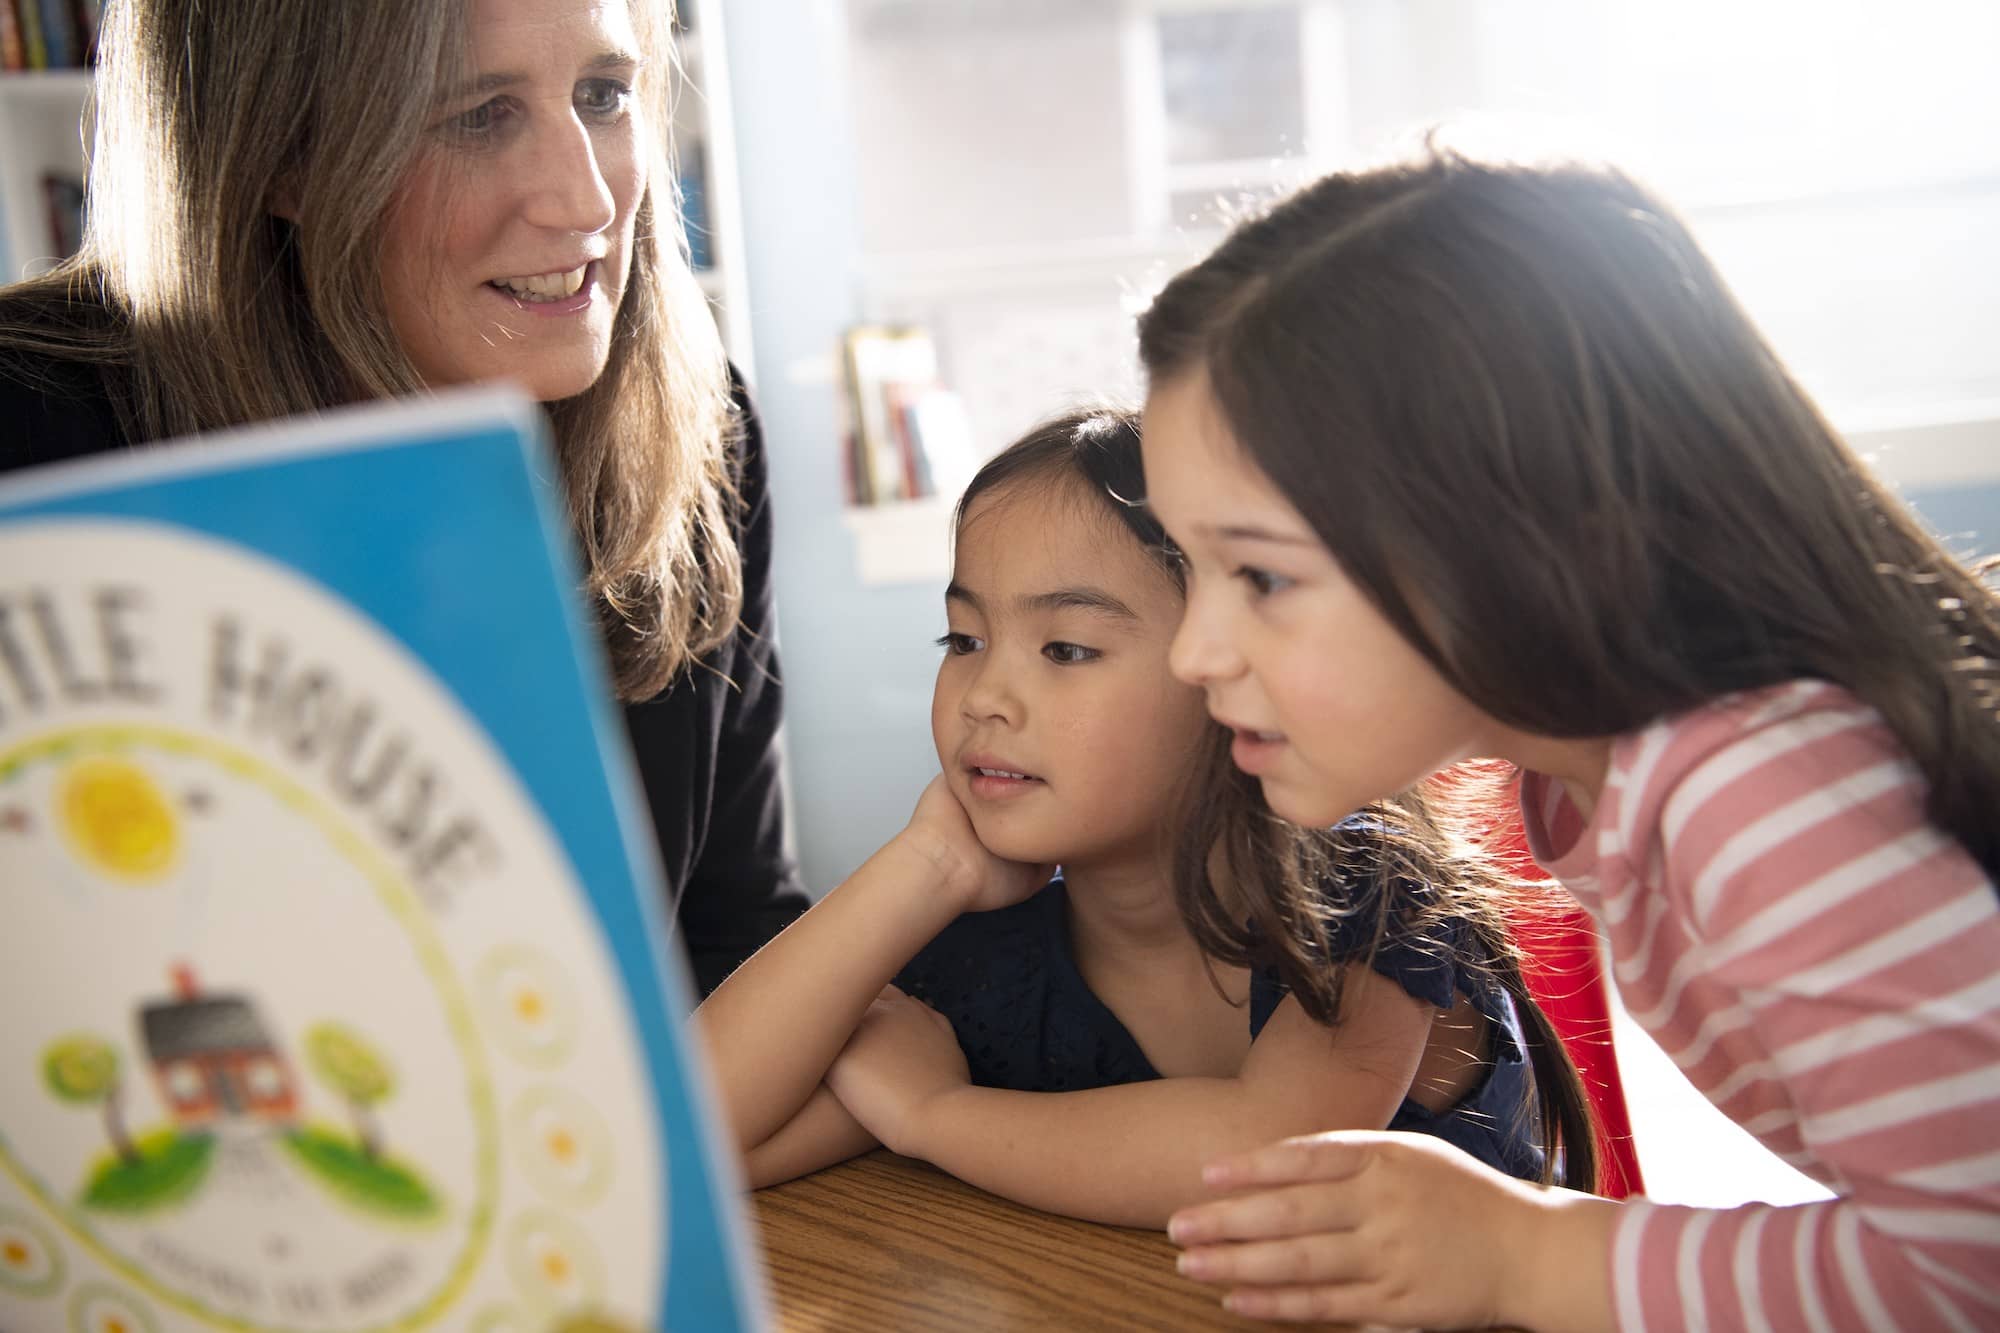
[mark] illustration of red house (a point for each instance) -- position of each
(213, 1060)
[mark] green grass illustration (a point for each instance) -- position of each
(167, 1167)
(377, 1184)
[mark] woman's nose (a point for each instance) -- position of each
(569, 190)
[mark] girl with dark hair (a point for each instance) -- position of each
(1470, 459)
(1086, 1054)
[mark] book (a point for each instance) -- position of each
(89, 18)
(64, 196)
(911, 438)
(866, 354)
(13, 54)
(58, 33)
(34, 48)
(947, 456)
(694, 206)
(883, 362)
(337, 995)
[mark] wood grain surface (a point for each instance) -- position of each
(884, 1244)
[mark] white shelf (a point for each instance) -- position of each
(68, 86)
(903, 541)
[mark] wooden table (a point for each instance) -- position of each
(884, 1244)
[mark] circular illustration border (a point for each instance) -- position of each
(51, 1283)
(98, 738)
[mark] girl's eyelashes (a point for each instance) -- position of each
(1061, 652)
(1262, 581)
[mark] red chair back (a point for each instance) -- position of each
(1563, 968)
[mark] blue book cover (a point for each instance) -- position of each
(336, 983)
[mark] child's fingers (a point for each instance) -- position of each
(1331, 1156)
(1300, 1305)
(1317, 1257)
(1266, 1215)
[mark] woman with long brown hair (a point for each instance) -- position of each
(300, 205)
(1477, 459)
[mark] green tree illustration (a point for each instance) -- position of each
(351, 1067)
(83, 1071)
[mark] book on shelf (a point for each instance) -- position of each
(908, 434)
(49, 34)
(59, 33)
(63, 195)
(89, 18)
(13, 54)
(34, 47)
(694, 204)
(337, 992)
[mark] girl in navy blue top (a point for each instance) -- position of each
(1083, 1040)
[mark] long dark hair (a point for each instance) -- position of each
(1526, 396)
(1226, 837)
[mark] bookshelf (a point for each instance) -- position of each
(42, 134)
(705, 157)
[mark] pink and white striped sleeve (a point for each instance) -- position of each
(1832, 983)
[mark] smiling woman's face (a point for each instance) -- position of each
(509, 245)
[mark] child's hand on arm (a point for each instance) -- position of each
(1128, 1154)
(773, 1028)
(901, 1058)
(1399, 1229)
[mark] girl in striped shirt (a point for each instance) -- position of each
(1469, 459)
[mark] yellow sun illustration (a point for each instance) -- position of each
(117, 819)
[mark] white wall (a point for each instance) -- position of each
(1011, 135)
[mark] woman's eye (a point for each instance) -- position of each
(603, 97)
(1262, 581)
(481, 122)
(958, 645)
(1068, 654)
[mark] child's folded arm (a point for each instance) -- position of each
(1131, 1154)
(775, 1025)
(819, 1135)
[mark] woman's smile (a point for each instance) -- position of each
(566, 292)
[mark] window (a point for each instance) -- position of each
(1230, 101)
(186, 1085)
(1031, 170)
(264, 1080)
